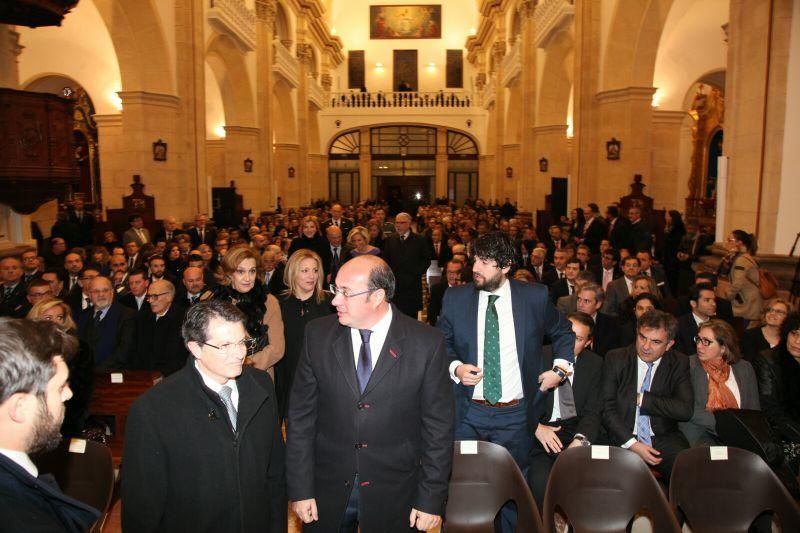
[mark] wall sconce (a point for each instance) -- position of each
(291, 172)
(248, 165)
(543, 164)
(613, 149)
(509, 172)
(378, 65)
(469, 123)
(337, 122)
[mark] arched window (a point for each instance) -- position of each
(462, 167)
(343, 167)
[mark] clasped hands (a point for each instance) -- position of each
(306, 510)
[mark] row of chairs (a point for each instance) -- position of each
(605, 495)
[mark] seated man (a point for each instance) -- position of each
(605, 336)
(33, 389)
(571, 413)
(107, 326)
(704, 307)
(646, 392)
(12, 288)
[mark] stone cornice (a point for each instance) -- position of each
(560, 129)
(145, 98)
(667, 117)
(108, 120)
(626, 94)
(242, 130)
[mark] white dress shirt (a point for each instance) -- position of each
(376, 339)
(216, 387)
(22, 459)
(641, 370)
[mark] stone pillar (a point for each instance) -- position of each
(262, 162)
(10, 49)
(188, 169)
(365, 165)
(666, 187)
(756, 93)
(498, 53)
(625, 115)
(241, 143)
(533, 189)
(112, 162)
(440, 189)
(305, 56)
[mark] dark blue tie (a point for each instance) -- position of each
(364, 368)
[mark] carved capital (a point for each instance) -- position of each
(266, 10)
(304, 53)
(499, 50)
(526, 8)
(326, 80)
(480, 81)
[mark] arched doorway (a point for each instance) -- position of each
(462, 167)
(403, 165)
(344, 177)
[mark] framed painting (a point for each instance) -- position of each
(405, 22)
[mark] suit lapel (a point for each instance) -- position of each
(663, 372)
(251, 397)
(390, 353)
(472, 311)
(343, 351)
(519, 309)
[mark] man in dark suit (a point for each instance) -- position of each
(452, 278)
(648, 268)
(438, 249)
(34, 381)
(79, 300)
(32, 267)
(704, 307)
(724, 308)
(54, 256)
(619, 229)
(605, 334)
(373, 377)
(647, 391)
(494, 328)
(566, 285)
(538, 264)
(107, 327)
(641, 237)
(137, 232)
(73, 264)
(550, 277)
(135, 298)
(407, 255)
(12, 289)
(339, 252)
(169, 230)
(273, 273)
(200, 233)
(568, 415)
(594, 229)
(83, 221)
(619, 289)
(553, 242)
(192, 286)
(609, 269)
(336, 219)
(203, 449)
(158, 332)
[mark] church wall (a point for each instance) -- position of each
(166, 13)
(665, 187)
(215, 162)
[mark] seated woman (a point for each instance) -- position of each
(358, 239)
(778, 372)
(641, 304)
(768, 336)
(640, 284)
(721, 379)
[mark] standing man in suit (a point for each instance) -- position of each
(370, 426)
(137, 232)
(452, 278)
(169, 231)
(33, 389)
(200, 234)
(273, 273)
(438, 249)
(494, 328)
(12, 289)
(570, 415)
(605, 333)
(84, 222)
(619, 289)
(406, 253)
(647, 391)
(107, 327)
(641, 237)
(594, 230)
(619, 229)
(336, 219)
(203, 449)
(704, 307)
(339, 252)
(553, 242)
(158, 331)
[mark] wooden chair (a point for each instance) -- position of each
(480, 486)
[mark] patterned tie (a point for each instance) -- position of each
(364, 368)
(98, 316)
(566, 401)
(225, 396)
(643, 421)
(492, 382)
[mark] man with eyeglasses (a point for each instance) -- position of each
(158, 331)
(36, 291)
(370, 425)
(704, 307)
(107, 326)
(647, 391)
(203, 449)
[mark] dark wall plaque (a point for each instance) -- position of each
(355, 69)
(455, 69)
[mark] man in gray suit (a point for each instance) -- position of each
(619, 289)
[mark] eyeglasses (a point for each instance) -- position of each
(704, 341)
(345, 293)
(230, 348)
(777, 311)
(155, 296)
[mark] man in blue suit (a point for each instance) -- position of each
(494, 330)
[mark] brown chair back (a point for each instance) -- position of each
(728, 495)
(479, 487)
(604, 495)
(87, 477)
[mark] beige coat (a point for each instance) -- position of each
(743, 290)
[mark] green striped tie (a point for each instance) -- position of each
(492, 382)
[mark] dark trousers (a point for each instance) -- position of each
(541, 462)
(350, 520)
(670, 445)
(508, 427)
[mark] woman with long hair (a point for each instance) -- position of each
(577, 221)
(81, 366)
(173, 259)
(303, 300)
(241, 286)
(721, 379)
(100, 259)
(756, 340)
(743, 291)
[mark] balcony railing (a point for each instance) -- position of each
(285, 64)
(512, 64)
(233, 18)
(406, 99)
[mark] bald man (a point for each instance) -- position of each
(169, 231)
(409, 258)
(158, 341)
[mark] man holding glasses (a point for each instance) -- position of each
(203, 450)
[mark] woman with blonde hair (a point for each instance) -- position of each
(756, 340)
(358, 238)
(81, 365)
(310, 238)
(302, 301)
(721, 379)
(242, 287)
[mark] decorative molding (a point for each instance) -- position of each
(266, 10)
(551, 16)
(145, 98)
(245, 131)
(326, 80)
(527, 8)
(285, 64)
(499, 50)
(558, 129)
(489, 93)
(626, 94)
(304, 53)
(480, 81)
(669, 117)
(512, 64)
(316, 95)
(108, 121)
(234, 19)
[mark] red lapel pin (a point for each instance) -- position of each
(392, 353)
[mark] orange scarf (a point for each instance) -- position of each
(719, 395)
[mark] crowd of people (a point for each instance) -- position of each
(589, 331)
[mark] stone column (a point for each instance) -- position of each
(304, 55)
(10, 49)
(533, 188)
(666, 187)
(498, 53)
(241, 143)
(440, 188)
(365, 165)
(265, 196)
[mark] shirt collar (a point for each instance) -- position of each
(212, 384)
(21, 459)
(503, 291)
(381, 327)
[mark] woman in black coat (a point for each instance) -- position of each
(673, 236)
(303, 301)
(310, 238)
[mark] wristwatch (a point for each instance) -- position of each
(561, 372)
(583, 440)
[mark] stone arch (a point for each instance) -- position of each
(282, 27)
(633, 38)
(284, 123)
(136, 30)
(228, 65)
(556, 81)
